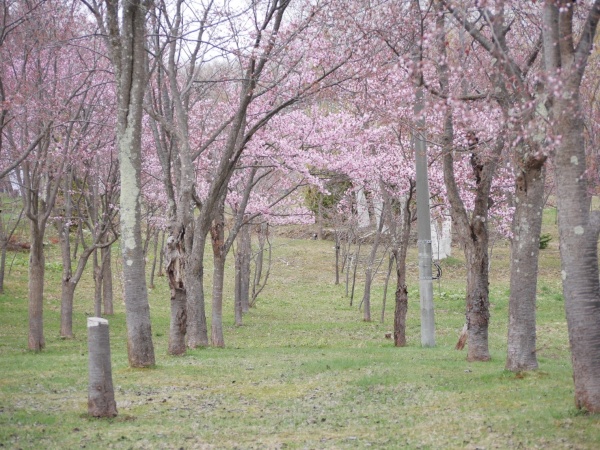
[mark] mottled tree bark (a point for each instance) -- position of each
(131, 85)
(578, 227)
(527, 226)
(399, 253)
(176, 272)
(37, 259)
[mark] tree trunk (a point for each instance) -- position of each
(527, 226)
(66, 309)
(36, 289)
(196, 330)
(217, 233)
(68, 288)
(2, 264)
(257, 284)
(385, 287)
(578, 227)
(246, 251)
(107, 285)
(3, 245)
(578, 233)
(97, 269)
(237, 300)
(131, 87)
(174, 257)
(400, 310)
(399, 255)
(366, 300)
(337, 258)
(478, 304)
(154, 259)
(178, 322)
(101, 395)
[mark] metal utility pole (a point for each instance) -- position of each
(424, 227)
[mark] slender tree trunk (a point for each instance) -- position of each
(337, 258)
(399, 255)
(196, 330)
(401, 310)
(68, 288)
(366, 300)
(36, 289)
(3, 245)
(246, 251)
(217, 233)
(369, 273)
(238, 289)
(385, 287)
(107, 284)
(527, 226)
(97, 269)
(257, 285)
(161, 254)
(154, 259)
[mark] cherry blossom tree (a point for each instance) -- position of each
(48, 98)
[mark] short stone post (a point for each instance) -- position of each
(101, 395)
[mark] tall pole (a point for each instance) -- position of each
(424, 227)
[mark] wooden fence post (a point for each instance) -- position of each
(101, 395)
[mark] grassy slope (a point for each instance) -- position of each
(303, 372)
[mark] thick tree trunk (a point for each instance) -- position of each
(478, 305)
(578, 232)
(527, 226)
(174, 257)
(101, 395)
(217, 233)
(178, 322)
(131, 87)
(578, 227)
(36, 289)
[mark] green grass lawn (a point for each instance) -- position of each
(303, 372)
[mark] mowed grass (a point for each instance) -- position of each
(304, 371)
